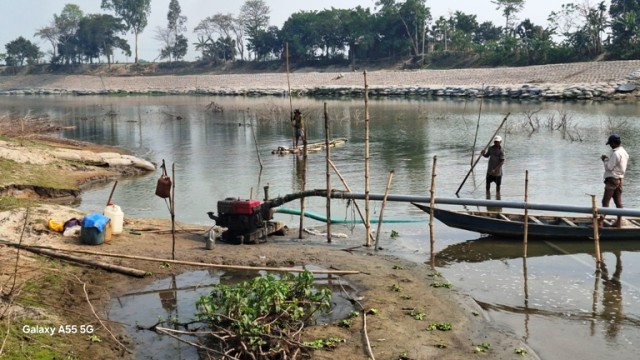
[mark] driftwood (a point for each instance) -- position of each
(106, 266)
(192, 263)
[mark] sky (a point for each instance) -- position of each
(25, 17)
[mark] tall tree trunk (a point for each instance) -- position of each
(136, 58)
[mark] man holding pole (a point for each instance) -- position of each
(614, 169)
(298, 125)
(496, 156)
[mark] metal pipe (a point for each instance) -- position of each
(338, 194)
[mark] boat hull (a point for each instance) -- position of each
(512, 225)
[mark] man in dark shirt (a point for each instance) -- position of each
(496, 157)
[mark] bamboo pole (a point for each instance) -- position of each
(304, 186)
(475, 139)
(172, 200)
(432, 203)
(384, 202)
(526, 211)
(198, 264)
(596, 231)
(286, 51)
(367, 222)
(328, 174)
(489, 144)
(255, 141)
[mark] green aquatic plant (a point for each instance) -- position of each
(263, 317)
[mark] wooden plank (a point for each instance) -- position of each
(634, 222)
(568, 222)
(535, 220)
(503, 217)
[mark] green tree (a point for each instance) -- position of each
(535, 42)
(625, 29)
(51, 34)
(134, 13)
(20, 50)
(254, 16)
(217, 31)
(176, 26)
(267, 43)
(509, 10)
(66, 25)
(96, 36)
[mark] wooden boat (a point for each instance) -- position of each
(311, 147)
(539, 226)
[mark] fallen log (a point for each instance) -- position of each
(110, 267)
(192, 263)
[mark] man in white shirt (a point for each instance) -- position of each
(614, 169)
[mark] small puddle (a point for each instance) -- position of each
(175, 297)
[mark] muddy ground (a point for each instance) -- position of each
(39, 292)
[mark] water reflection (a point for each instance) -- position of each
(612, 305)
(558, 282)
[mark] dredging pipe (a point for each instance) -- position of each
(338, 194)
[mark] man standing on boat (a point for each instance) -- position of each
(496, 156)
(298, 125)
(614, 168)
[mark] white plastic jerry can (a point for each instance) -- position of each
(116, 215)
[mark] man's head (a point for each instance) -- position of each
(497, 139)
(614, 140)
(296, 111)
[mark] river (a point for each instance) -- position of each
(220, 147)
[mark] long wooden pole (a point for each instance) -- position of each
(432, 204)
(384, 202)
(113, 189)
(526, 212)
(110, 267)
(328, 174)
(199, 264)
(479, 157)
(367, 223)
(475, 139)
(286, 51)
(173, 210)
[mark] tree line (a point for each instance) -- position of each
(392, 30)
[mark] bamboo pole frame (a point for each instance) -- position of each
(344, 182)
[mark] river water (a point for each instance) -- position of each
(221, 146)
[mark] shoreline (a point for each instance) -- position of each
(599, 81)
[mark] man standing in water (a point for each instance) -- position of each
(496, 157)
(298, 125)
(614, 169)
